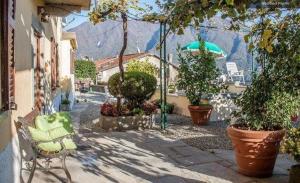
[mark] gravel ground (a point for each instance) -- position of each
(211, 136)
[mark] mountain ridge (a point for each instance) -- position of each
(105, 40)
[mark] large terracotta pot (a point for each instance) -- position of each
(200, 114)
(255, 151)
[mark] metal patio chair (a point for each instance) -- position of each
(25, 126)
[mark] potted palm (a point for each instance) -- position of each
(196, 75)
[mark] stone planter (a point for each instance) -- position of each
(123, 123)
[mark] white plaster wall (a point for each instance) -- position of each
(65, 57)
(65, 67)
(106, 74)
(10, 162)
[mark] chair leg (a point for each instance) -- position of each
(32, 170)
(66, 169)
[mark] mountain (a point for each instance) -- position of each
(105, 40)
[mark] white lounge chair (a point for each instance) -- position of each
(233, 72)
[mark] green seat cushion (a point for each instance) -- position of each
(39, 135)
(56, 120)
(55, 147)
(59, 132)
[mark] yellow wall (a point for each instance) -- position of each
(25, 51)
(5, 129)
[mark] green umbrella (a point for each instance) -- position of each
(211, 47)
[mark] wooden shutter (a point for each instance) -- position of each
(8, 55)
(56, 66)
(38, 95)
(53, 64)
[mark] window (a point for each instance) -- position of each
(54, 64)
(7, 55)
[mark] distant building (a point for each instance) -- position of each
(108, 66)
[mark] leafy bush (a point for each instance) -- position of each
(196, 74)
(274, 95)
(136, 88)
(85, 69)
(263, 108)
(65, 102)
(170, 108)
(149, 108)
(138, 111)
(142, 66)
(108, 109)
(291, 143)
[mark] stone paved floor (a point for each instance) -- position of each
(148, 156)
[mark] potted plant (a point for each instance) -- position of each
(291, 145)
(265, 108)
(65, 105)
(196, 75)
(261, 122)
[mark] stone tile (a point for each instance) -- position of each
(216, 173)
(198, 158)
(169, 179)
(224, 154)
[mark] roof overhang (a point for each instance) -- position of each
(64, 7)
(72, 37)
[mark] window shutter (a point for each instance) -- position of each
(8, 66)
(56, 66)
(53, 64)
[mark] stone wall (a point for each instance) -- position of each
(222, 103)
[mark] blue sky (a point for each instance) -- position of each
(76, 19)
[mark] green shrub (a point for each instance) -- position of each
(136, 88)
(85, 69)
(142, 66)
(170, 108)
(291, 143)
(65, 102)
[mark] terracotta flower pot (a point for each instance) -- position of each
(200, 114)
(255, 151)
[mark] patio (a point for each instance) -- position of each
(147, 156)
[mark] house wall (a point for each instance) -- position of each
(223, 105)
(65, 67)
(25, 44)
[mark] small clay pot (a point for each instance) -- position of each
(255, 151)
(295, 174)
(200, 114)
